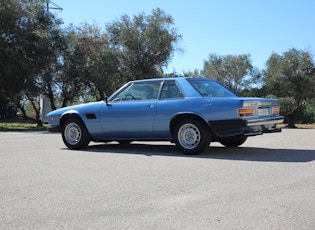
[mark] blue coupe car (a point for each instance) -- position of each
(192, 112)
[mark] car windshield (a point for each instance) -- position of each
(210, 88)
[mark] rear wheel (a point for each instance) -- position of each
(75, 134)
(233, 141)
(191, 136)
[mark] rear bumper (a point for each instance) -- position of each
(265, 121)
(227, 128)
(258, 130)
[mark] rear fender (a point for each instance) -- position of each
(179, 117)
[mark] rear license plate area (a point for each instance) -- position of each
(263, 111)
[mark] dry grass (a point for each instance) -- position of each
(299, 126)
(20, 125)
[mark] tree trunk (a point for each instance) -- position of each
(51, 99)
(37, 114)
(292, 119)
(64, 102)
(37, 120)
(24, 116)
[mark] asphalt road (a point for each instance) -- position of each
(267, 183)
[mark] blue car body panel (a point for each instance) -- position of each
(120, 120)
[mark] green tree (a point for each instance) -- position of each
(291, 77)
(234, 71)
(53, 42)
(89, 66)
(29, 51)
(71, 74)
(146, 42)
(11, 55)
(196, 73)
(101, 70)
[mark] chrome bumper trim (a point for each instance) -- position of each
(262, 121)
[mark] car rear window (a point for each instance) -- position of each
(211, 88)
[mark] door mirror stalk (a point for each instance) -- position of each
(106, 101)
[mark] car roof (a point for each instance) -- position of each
(172, 78)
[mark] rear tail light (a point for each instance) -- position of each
(246, 112)
(275, 110)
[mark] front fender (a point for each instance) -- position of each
(67, 114)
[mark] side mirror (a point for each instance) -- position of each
(106, 100)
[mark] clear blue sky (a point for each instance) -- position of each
(255, 27)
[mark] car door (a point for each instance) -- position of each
(171, 101)
(131, 114)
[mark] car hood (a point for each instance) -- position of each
(92, 106)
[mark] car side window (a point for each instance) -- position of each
(142, 91)
(120, 95)
(171, 90)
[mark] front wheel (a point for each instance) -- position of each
(191, 136)
(75, 134)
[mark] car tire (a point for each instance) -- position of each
(74, 134)
(191, 136)
(233, 141)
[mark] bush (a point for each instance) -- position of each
(306, 114)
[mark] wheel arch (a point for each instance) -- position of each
(182, 116)
(72, 114)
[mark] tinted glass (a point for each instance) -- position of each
(210, 88)
(170, 90)
(139, 91)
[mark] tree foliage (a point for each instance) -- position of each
(234, 71)
(99, 69)
(146, 43)
(291, 77)
(28, 45)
